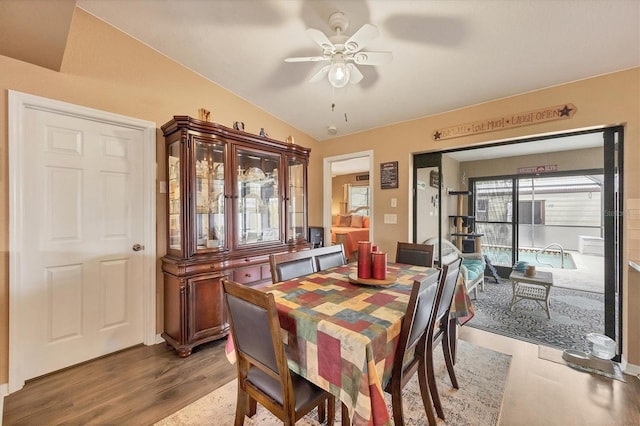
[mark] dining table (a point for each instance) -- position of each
(342, 335)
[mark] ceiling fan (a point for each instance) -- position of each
(343, 52)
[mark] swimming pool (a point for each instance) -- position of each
(548, 258)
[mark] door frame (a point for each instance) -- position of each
(613, 150)
(18, 104)
(327, 189)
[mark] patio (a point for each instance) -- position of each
(577, 307)
(588, 275)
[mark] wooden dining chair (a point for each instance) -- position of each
(410, 352)
(329, 257)
(285, 266)
(263, 373)
(441, 330)
(415, 254)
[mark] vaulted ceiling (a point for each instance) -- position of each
(446, 54)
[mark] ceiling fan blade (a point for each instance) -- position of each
(354, 74)
(372, 58)
(320, 38)
(364, 35)
(320, 74)
(307, 59)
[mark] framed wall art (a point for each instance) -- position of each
(389, 175)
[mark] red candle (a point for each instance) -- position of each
(374, 248)
(379, 265)
(364, 259)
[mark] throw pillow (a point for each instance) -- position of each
(356, 221)
(345, 220)
(365, 222)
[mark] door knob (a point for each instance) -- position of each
(137, 247)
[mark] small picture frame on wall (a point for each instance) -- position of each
(389, 175)
(434, 179)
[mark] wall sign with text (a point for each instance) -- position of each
(558, 112)
(538, 169)
(389, 175)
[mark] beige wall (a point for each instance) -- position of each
(105, 69)
(601, 101)
(579, 159)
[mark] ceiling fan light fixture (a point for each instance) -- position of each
(338, 73)
(343, 52)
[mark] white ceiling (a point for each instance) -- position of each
(353, 165)
(447, 54)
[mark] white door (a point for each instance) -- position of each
(81, 272)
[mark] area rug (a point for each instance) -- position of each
(574, 314)
(481, 373)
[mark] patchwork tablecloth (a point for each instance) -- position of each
(342, 336)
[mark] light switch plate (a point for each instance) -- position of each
(390, 218)
(394, 202)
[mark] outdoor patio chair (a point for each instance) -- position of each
(473, 264)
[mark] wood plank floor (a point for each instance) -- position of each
(142, 385)
(137, 386)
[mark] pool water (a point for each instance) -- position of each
(549, 258)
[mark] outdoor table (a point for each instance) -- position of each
(537, 288)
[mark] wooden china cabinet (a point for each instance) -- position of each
(233, 198)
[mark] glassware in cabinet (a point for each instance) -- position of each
(296, 199)
(210, 205)
(173, 196)
(257, 197)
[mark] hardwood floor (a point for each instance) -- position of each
(540, 392)
(137, 386)
(141, 385)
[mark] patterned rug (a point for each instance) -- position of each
(574, 313)
(481, 373)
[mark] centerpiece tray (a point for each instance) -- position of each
(389, 280)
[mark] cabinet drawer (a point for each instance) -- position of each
(247, 275)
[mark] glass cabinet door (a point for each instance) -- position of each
(209, 195)
(257, 197)
(175, 190)
(296, 202)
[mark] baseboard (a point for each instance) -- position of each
(631, 369)
(4, 391)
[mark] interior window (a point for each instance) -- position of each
(358, 197)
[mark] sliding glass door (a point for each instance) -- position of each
(612, 220)
(578, 210)
(493, 201)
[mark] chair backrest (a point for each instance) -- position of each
(255, 330)
(285, 266)
(415, 254)
(414, 325)
(328, 257)
(422, 308)
(449, 280)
